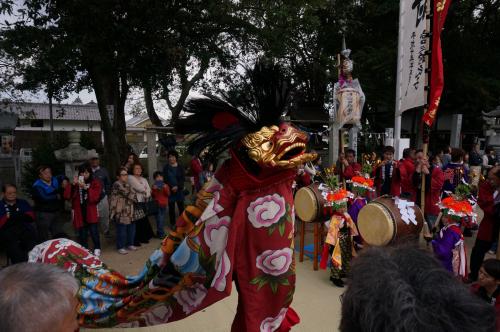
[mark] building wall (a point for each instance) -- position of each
(31, 139)
(60, 125)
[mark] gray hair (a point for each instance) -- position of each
(35, 297)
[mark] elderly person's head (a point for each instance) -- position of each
(37, 298)
(406, 289)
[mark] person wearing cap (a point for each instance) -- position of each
(102, 175)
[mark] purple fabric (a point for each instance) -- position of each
(443, 247)
(353, 211)
(355, 207)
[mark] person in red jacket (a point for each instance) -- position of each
(406, 169)
(434, 180)
(489, 201)
(84, 194)
(196, 169)
(386, 179)
(352, 168)
(160, 194)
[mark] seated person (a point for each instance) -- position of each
(406, 289)
(37, 298)
(17, 230)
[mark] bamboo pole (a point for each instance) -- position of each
(425, 135)
(425, 148)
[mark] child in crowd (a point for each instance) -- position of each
(160, 194)
(449, 246)
(122, 211)
(488, 285)
(362, 187)
(386, 175)
(85, 194)
(339, 239)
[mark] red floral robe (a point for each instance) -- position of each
(245, 235)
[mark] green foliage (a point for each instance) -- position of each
(167, 47)
(330, 178)
(462, 191)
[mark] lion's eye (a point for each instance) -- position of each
(266, 146)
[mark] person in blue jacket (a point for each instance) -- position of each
(47, 197)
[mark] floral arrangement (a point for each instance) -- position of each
(361, 185)
(338, 199)
(458, 206)
(330, 177)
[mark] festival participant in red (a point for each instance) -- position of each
(489, 201)
(406, 169)
(434, 179)
(196, 169)
(238, 234)
(84, 195)
(352, 168)
(386, 179)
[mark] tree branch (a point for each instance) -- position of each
(150, 106)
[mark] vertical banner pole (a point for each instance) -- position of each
(425, 128)
(397, 120)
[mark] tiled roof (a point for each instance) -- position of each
(40, 111)
(136, 120)
(141, 118)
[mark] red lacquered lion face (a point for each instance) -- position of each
(282, 146)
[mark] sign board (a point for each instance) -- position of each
(413, 46)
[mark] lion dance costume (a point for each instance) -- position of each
(239, 230)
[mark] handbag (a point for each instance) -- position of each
(139, 210)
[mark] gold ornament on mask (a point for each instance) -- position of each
(267, 152)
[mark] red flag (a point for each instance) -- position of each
(437, 78)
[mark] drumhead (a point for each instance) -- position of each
(375, 224)
(306, 206)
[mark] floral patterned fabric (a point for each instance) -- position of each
(240, 230)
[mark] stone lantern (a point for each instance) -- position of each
(492, 128)
(74, 154)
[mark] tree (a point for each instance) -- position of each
(198, 36)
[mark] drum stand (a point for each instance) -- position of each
(318, 230)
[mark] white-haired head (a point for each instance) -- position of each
(37, 297)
